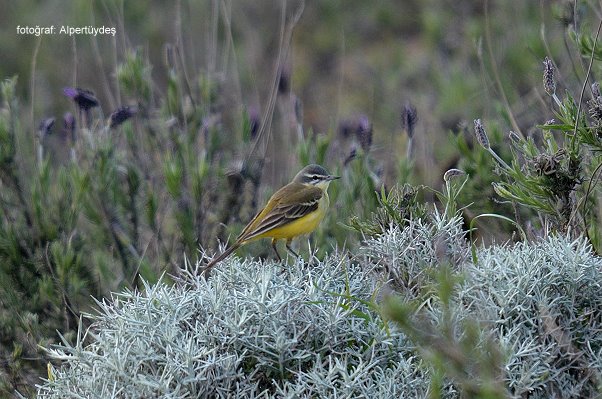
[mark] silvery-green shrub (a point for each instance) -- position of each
(315, 329)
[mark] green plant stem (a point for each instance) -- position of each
(473, 247)
(589, 69)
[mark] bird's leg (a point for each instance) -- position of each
(288, 247)
(276, 249)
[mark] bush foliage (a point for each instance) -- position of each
(523, 321)
(157, 156)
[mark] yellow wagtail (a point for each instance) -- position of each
(295, 209)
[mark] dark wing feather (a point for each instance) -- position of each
(286, 206)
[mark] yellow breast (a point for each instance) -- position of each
(303, 225)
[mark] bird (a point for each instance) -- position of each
(294, 210)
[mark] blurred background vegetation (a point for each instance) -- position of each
(204, 108)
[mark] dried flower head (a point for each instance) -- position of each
(360, 127)
(364, 133)
(45, 127)
(409, 117)
(481, 135)
(596, 90)
(595, 110)
(549, 83)
(254, 121)
(453, 173)
(84, 99)
(352, 155)
(284, 82)
(565, 12)
(545, 164)
(346, 128)
(69, 122)
(595, 106)
(121, 115)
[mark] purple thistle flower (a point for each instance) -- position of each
(84, 99)
(121, 115)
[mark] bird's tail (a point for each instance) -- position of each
(220, 257)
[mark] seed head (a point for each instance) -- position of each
(549, 84)
(409, 117)
(481, 135)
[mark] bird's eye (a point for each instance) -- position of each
(315, 177)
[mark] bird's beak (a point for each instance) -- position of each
(333, 177)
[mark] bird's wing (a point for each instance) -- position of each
(274, 200)
(291, 202)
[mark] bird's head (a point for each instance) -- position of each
(315, 175)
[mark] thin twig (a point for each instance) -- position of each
(32, 89)
(180, 53)
(496, 73)
(577, 124)
(231, 48)
(589, 68)
(98, 59)
(286, 34)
